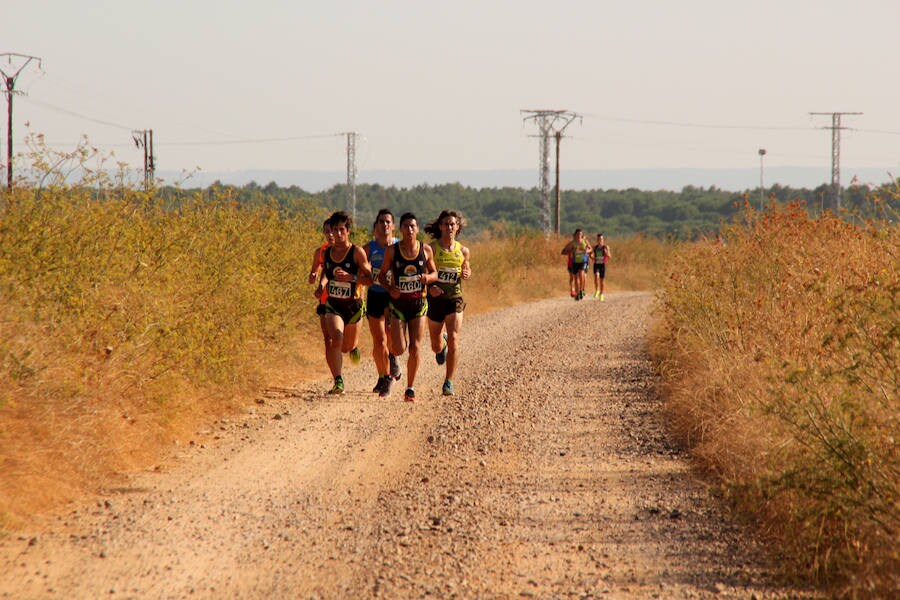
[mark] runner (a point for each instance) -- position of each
(344, 264)
(578, 251)
(315, 275)
(600, 256)
(445, 300)
(410, 265)
(378, 301)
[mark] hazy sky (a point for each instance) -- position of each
(440, 85)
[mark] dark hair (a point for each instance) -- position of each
(577, 231)
(600, 234)
(408, 215)
(434, 228)
(339, 217)
(381, 213)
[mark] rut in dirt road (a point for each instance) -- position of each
(548, 475)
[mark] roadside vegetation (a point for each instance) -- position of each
(130, 316)
(779, 348)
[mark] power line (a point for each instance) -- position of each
(72, 113)
(695, 125)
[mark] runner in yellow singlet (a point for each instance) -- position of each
(445, 299)
(578, 250)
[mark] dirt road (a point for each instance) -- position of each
(549, 475)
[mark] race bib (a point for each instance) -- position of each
(339, 289)
(448, 275)
(409, 283)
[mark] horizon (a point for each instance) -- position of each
(645, 179)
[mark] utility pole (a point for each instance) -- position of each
(762, 193)
(836, 153)
(143, 138)
(351, 170)
(549, 121)
(10, 81)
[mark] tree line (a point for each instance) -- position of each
(684, 214)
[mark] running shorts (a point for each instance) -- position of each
(377, 303)
(600, 269)
(407, 310)
(439, 308)
(350, 311)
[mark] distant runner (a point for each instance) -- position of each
(578, 251)
(600, 256)
(445, 300)
(410, 264)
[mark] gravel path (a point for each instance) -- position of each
(549, 475)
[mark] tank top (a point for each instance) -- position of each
(408, 271)
(376, 258)
(341, 290)
(599, 252)
(449, 269)
(579, 254)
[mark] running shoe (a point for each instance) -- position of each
(597, 294)
(396, 373)
(385, 386)
(377, 387)
(601, 297)
(338, 388)
(447, 390)
(441, 357)
(572, 292)
(410, 395)
(354, 356)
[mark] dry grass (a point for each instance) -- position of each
(780, 353)
(127, 323)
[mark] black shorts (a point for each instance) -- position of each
(408, 309)
(600, 269)
(320, 309)
(439, 308)
(578, 268)
(350, 311)
(377, 303)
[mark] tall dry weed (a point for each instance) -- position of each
(122, 317)
(779, 347)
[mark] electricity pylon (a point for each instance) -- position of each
(836, 153)
(352, 136)
(549, 121)
(10, 81)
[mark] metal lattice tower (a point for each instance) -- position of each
(555, 122)
(351, 171)
(836, 153)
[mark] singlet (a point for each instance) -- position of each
(376, 258)
(341, 290)
(599, 251)
(449, 269)
(579, 252)
(408, 271)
